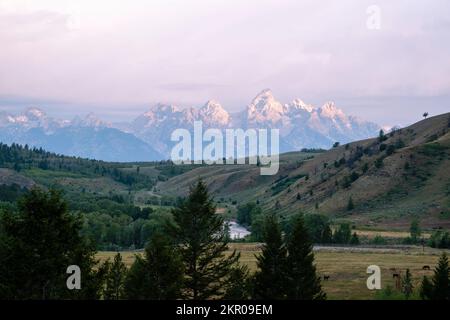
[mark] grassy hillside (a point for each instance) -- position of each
(390, 179)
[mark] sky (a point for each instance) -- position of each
(384, 61)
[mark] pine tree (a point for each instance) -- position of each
(441, 279)
(238, 285)
(426, 289)
(350, 204)
(343, 234)
(302, 280)
(115, 279)
(407, 285)
(269, 280)
(415, 230)
(38, 243)
(203, 242)
(327, 235)
(158, 275)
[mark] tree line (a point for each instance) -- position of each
(318, 226)
(188, 258)
(19, 158)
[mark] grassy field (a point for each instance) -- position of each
(370, 234)
(345, 266)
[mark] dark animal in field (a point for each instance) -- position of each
(426, 268)
(396, 275)
(326, 277)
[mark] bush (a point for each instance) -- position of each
(379, 240)
(379, 163)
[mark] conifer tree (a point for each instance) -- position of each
(415, 231)
(38, 243)
(350, 204)
(439, 286)
(202, 241)
(441, 279)
(327, 235)
(269, 280)
(158, 275)
(426, 289)
(302, 280)
(115, 279)
(238, 285)
(407, 285)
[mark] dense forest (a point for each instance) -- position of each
(20, 158)
(185, 259)
(114, 219)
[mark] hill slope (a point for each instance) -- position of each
(390, 179)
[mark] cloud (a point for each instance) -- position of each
(110, 52)
(16, 27)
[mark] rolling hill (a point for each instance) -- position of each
(382, 182)
(390, 179)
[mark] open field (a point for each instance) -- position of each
(370, 234)
(345, 266)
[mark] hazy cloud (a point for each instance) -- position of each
(110, 53)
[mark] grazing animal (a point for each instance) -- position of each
(426, 268)
(326, 277)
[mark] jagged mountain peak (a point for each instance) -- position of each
(265, 100)
(164, 108)
(298, 104)
(212, 104)
(212, 112)
(265, 108)
(92, 120)
(329, 110)
(34, 113)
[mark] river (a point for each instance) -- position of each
(237, 231)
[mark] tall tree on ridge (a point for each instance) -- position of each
(302, 280)
(158, 275)
(202, 241)
(269, 280)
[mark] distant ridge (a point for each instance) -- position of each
(147, 138)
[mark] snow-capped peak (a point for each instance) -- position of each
(329, 110)
(90, 120)
(159, 111)
(264, 108)
(34, 113)
(298, 104)
(265, 101)
(213, 112)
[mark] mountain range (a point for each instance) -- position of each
(147, 138)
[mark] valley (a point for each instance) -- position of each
(346, 268)
(391, 179)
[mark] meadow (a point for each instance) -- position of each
(345, 266)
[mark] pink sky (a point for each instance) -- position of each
(112, 54)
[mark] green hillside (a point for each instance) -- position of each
(381, 183)
(390, 179)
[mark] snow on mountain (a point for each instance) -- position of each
(301, 125)
(264, 109)
(90, 120)
(212, 113)
(88, 137)
(298, 105)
